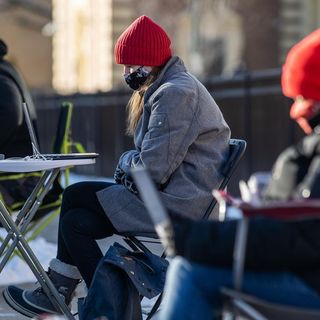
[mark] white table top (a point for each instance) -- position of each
(31, 165)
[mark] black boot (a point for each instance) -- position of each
(34, 302)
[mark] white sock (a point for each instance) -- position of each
(64, 269)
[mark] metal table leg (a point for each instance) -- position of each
(19, 241)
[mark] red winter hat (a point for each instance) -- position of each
(143, 43)
(300, 79)
(300, 73)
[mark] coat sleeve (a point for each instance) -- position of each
(309, 186)
(11, 115)
(271, 245)
(296, 173)
(171, 130)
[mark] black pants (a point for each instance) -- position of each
(82, 221)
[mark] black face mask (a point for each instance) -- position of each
(137, 78)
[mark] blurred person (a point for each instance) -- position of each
(179, 134)
(282, 258)
(296, 172)
(15, 139)
(14, 135)
(282, 266)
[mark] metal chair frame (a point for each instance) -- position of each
(248, 305)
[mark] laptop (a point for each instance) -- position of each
(50, 156)
(158, 213)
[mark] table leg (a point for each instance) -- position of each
(17, 228)
(34, 263)
(31, 199)
(29, 215)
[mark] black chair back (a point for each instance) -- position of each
(237, 147)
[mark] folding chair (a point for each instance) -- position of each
(247, 305)
(237, 148)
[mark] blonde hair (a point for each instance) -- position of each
(135, 104)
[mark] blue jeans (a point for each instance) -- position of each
(192, 291)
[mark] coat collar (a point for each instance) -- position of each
(173, 66)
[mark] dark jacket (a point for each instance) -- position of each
(296, 173)
(183, 139)
(272, 245)
(15, 139)
(14, 136)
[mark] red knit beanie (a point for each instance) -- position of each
(300, 74)
(143, 43)
(300, 78)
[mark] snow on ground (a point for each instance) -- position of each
(17, 271)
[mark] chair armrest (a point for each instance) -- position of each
(257, 308)
(242, 303)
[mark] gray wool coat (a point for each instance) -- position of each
(182, 138)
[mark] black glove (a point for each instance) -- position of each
(118, 175)
(127, 181)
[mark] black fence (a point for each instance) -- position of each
(252, 104)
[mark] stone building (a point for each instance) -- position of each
(67, 45)
(24, 27)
